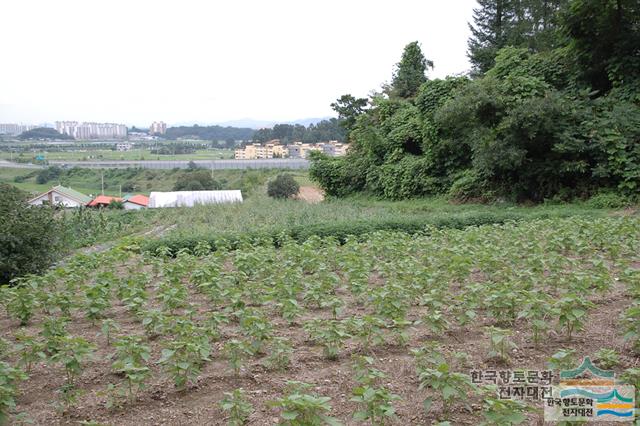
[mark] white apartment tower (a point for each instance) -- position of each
(158, 128)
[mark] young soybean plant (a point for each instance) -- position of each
(376, 401)
(236, 404)
(280, 354)
(501, 412)
(500, 343)
(183, 358)
(9, 379)
(236, 352)
(300, 408)
(131, 360)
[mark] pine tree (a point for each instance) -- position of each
(488, 33)
(410, 72)
(530, 24)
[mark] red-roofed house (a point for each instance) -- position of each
(103, 201)
(136, 202)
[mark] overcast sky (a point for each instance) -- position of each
(136, 61)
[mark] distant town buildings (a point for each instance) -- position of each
(15, 129)
(124, 146)
(273, 149)
(85, 131)
(158, 128)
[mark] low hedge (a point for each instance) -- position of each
(338, 230)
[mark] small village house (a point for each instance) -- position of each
(61, 196)
(103, 201)
(136, 202)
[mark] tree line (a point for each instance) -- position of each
(325, 130)
(550, 110)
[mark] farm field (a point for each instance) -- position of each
(108, 154)
(375, 326)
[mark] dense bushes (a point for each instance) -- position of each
(30, 237)
(283, 186)
(557, 123)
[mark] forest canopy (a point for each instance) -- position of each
(550, 110)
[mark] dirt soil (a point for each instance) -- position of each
(311, 194)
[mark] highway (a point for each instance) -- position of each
(274, 163)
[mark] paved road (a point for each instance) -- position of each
(4, 163)
(160, 164)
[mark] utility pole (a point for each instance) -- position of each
(102, 176)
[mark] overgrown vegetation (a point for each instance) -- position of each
(553, 112)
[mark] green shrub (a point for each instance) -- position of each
(30, 239)
(283, 186)
(608, 200)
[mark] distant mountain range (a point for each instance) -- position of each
(255, 124)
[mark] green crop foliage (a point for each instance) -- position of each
(572, 309)
(10, 377)
(607, 358)
(29, 350)
(20, 301)
(107, 329)
(131, 359)
(631, 321)
(501, 412)
(280, 351)
(330, 334)
(236, 352)
(450, 386)
(235, 403)
(564, 359)
(71, 354)
(500, 343)
(376, 402)
(301, 408)
(183, 358)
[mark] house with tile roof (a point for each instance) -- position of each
(136, 202)
(61, 196)
(103, 201)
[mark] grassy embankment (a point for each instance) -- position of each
(107, 154)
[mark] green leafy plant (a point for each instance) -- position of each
(107, 329)
(503, 412)
(300, 408)
(72, 353)
(500, 343)
(183, 358)
(29, 350)
(564, 359)
(9, 379)
(131, 359)
(21, 302)
(280, 351)
(572, 309)
(236, 404)
(376, 402)
(236, 351)
(607, 358)
(331, 334)
(451, 386)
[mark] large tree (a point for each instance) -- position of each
(530, 24)
(605, 40)
(349, 108)
(410, 72)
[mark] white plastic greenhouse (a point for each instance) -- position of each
(192, 198)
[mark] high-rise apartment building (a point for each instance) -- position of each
(158, 128)
(92, 130)
(15, 129)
